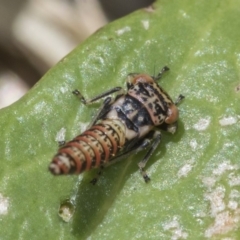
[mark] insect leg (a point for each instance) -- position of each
(164, 69)
(104, 108)
(61, 143)
(179, 99)
(156, 138)
(151, 142)
(105, 105)
(102, 95)
(134, 146)
(95, 179)
(138, 146)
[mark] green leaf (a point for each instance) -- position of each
(194, 191)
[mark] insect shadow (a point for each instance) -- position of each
(93, 201)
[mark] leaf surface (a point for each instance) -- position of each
(194, 191)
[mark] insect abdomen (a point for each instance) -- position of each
(91, 149)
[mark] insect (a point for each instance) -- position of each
(127, 124)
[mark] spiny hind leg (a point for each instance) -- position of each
(133, 147)
(150, 142)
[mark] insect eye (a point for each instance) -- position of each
(172, 114)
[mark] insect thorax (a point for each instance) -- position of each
(143, 107)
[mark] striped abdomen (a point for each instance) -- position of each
(91, 149)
